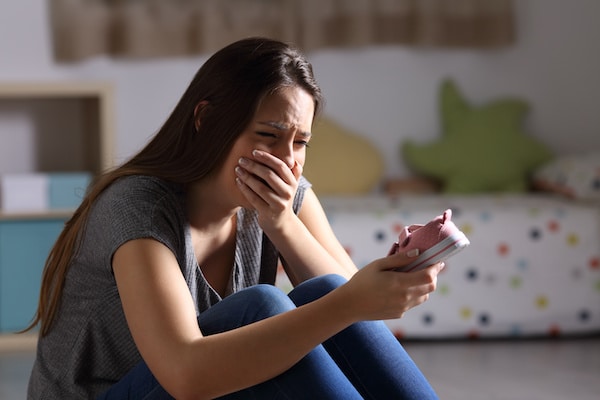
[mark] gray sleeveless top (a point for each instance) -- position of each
(89, 347)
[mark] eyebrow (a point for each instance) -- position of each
(283, 127)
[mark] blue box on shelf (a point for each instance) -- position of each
(67, 189)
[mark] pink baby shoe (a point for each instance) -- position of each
(436, 241)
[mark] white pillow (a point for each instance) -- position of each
(576, 176)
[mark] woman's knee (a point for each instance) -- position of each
(265, 301)
(316, 288)
(244, 307)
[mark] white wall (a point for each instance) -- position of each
(385, 93)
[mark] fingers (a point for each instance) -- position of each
(269, 185)
(420, 284)
(428, 276)
(270, 169)
(272, 181)
(241, 180)
(399, 259)
(391, 293)
(257, 190)
(425, 279)
(414, 288)
(297, 170)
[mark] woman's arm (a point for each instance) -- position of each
(161, 316)
(320, 253)
(305, 241)
(313, 217)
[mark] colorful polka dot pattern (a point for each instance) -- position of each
(533, 266)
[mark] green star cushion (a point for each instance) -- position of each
(482, 149)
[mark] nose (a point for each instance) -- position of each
(285, 152)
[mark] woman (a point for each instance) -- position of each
(161, 284)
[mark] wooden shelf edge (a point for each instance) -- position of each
(51, 214)
(16, 342)
(66, 88)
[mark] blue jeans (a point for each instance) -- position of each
(363, 361)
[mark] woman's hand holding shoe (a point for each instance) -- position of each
(377, 292)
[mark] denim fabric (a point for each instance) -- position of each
(363, 361)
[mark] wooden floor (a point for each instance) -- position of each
(557, 369)
(553, 369)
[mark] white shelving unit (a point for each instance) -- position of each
(69, 127)
(44, 127)
(72, 123)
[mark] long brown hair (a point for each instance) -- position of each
(230, 85)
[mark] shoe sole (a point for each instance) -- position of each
(439, 252)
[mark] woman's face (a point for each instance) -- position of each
(281, 126)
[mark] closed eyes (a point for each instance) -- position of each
(300, 142)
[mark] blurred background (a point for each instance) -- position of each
(384, 91)
(85, 83)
